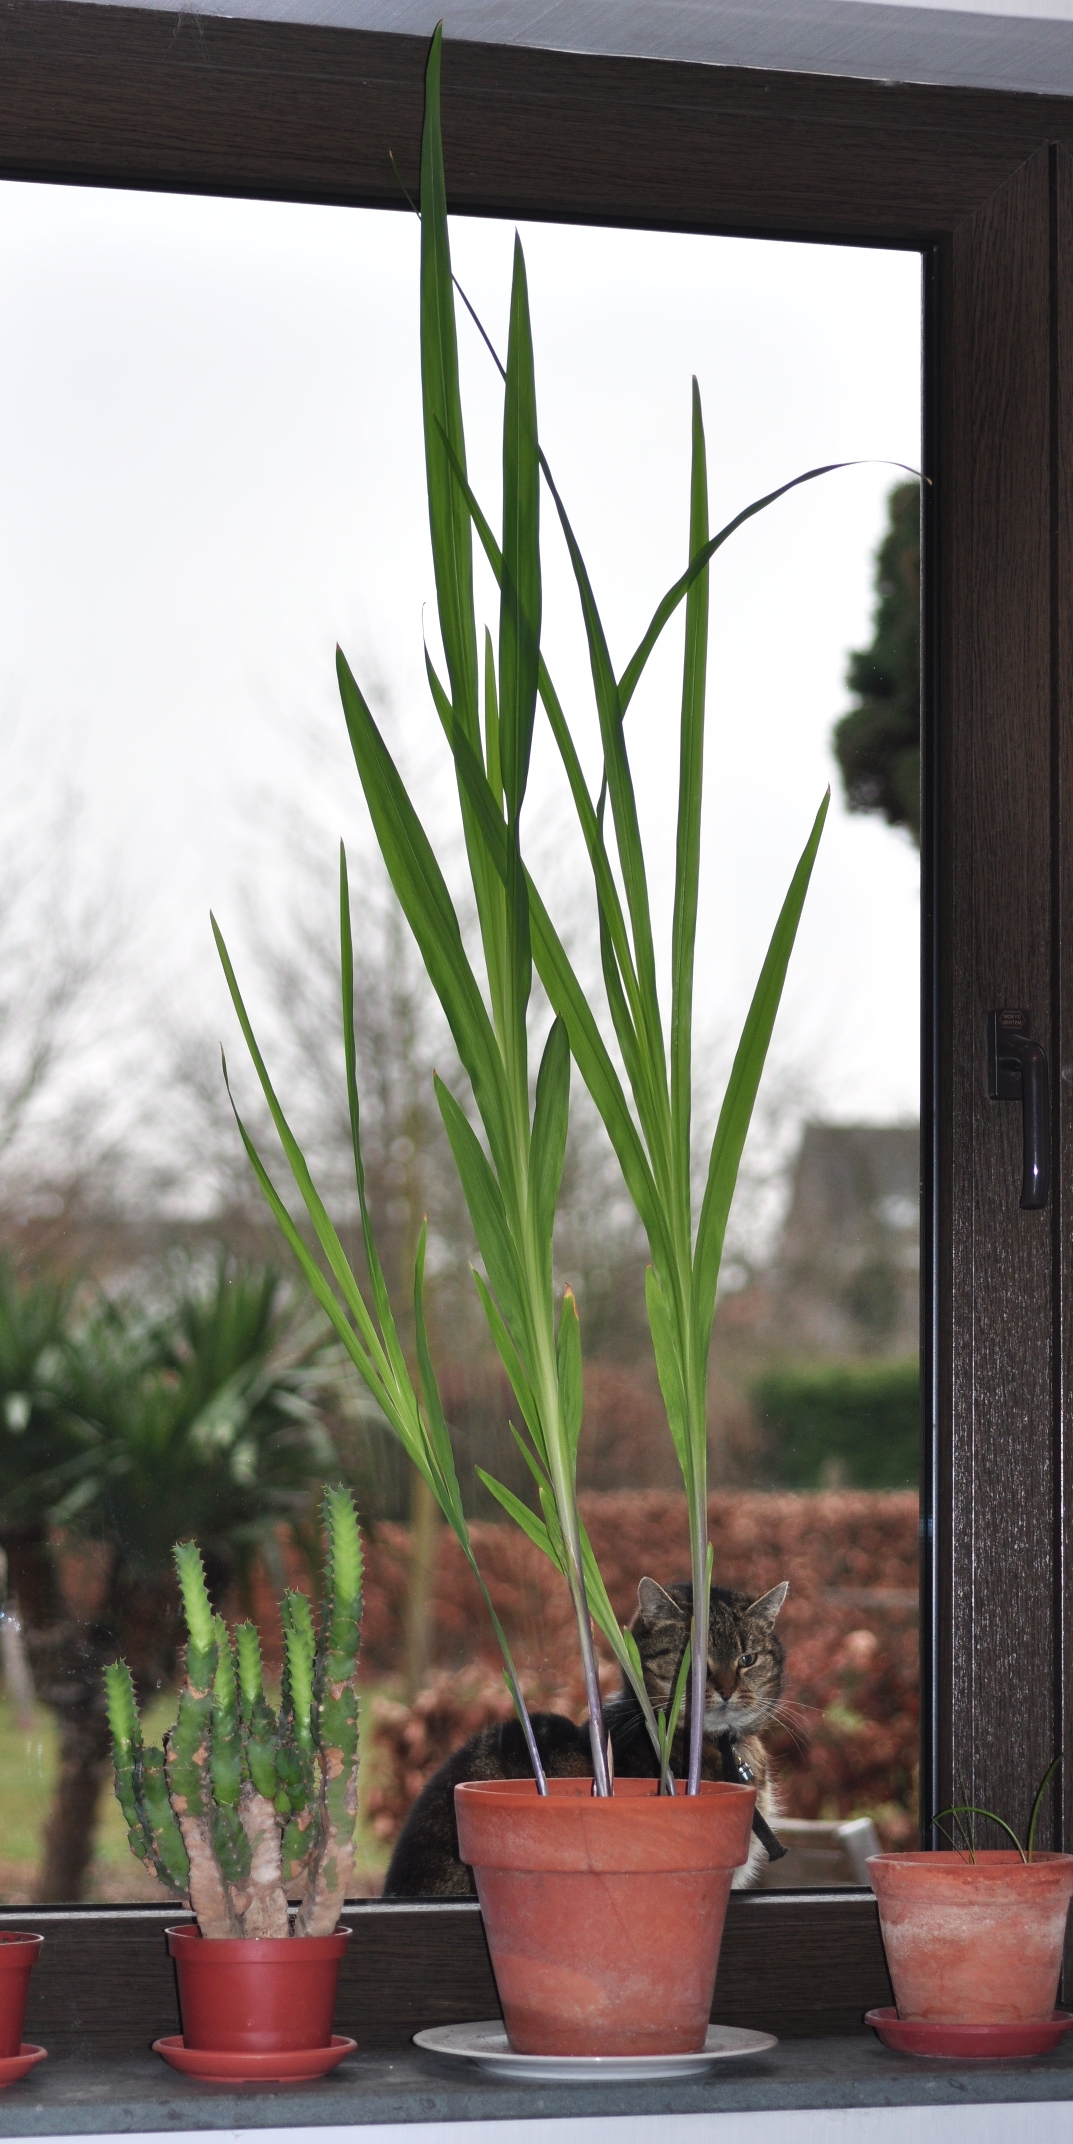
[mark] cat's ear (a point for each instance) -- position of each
(767, 1607)
(655, 1605)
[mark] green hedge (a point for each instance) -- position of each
(856, 1424)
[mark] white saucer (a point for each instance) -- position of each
(485, 2045)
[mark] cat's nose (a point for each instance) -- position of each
(726, 1685)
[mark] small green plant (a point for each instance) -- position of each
(962, 1810)
(243, 1807)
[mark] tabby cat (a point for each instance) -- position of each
(745, 1663)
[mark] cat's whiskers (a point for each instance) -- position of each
(797, 1735)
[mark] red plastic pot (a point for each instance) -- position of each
(603, 1917)
(973, 1943)
(257, 1996)
(18, 1956)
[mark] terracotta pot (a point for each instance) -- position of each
(18, 1956)
(258, 1996)
(603, 1918)
(973, 1943)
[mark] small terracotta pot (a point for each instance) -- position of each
(603, 1917)
(18, 1956)
(257, 1996)
(973, 1943)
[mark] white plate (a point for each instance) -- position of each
(485, 2045)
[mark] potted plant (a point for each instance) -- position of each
(974, 1940)
(671, 1854)
(244, 1808)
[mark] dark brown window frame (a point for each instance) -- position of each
(980, 183)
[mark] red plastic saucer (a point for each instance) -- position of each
(988, 2043)
(293, 2066)
(12, 2067)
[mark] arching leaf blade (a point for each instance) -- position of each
(737, 1109)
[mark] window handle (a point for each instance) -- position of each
(1017, 1072)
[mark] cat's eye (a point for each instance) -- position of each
(747, 1660)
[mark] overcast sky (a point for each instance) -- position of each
(210, 471)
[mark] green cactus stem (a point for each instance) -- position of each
(300, 1645)
(225, 1758)
(187, 1757)
(298, 1846)
(342, 1602)
(296, 1748)
(258, 1718)
(251, 1688)
(197, 1608)
(297, 1798)
(152, 1832)
(336, 1718)
(126, 1749)
(225, 1763)
(171, 1860)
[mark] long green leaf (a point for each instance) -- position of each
(350, 1054)
(520, 609)
(669, 1372)
(568, 1363)
(439, 1436)
(430, 912)
(511, 1360)
(487, 1213)
(452, 552)
(607, 891)
(690, 793)
(666, 607)
(326, 1234)
(737, 1109)
(369, 1362)
(547, 1152)
(567, 997)
(533, 1527)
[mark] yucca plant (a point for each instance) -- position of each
(243, 1806)
(512, 1180)
(654, 1141)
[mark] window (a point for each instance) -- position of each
(968, 181)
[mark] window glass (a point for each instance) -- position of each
(212, 471)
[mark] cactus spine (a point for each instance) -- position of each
(240, 1808)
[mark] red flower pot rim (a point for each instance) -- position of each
(636, 1828)
(14, 1944)
(267, 1950)
(952, 1864)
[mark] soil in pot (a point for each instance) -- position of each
(603, 1917)
(18, 1956)
(973, 1943)
(258, 1995)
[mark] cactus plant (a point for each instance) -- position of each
(241, 1808)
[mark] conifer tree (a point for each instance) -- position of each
(877, 744)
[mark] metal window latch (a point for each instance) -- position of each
(1017, 1072)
